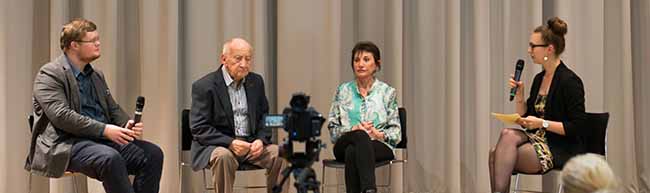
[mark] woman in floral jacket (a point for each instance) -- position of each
(364, 120)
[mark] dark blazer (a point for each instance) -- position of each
(566, 104)
(57, 119)
(211, 117)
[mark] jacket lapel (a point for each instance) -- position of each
(224, 97)
(71, 81)
(554, 85)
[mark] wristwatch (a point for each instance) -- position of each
(545, 124)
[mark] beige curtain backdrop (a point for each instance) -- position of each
(449, 59)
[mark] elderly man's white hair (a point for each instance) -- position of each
(588, 173)
(227, 44)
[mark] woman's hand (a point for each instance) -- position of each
(530, 122)
(373, 132)
(359, 127)
(519, 94)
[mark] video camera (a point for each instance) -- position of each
(303, 124)
(299, 120)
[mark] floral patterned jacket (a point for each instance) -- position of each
(349, 108)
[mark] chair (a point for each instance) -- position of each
(186, 145)
(594, 141)
(30, 121)
(332, 163)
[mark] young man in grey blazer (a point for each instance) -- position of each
(78, 126)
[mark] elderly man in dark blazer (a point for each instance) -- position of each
(226, 120)
(78, 126)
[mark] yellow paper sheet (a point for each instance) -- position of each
(508, 119)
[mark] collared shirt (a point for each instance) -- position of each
(350, 108)
(90, 106)
(239, 103)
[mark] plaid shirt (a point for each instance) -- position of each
(349, 108)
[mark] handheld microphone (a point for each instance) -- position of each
(139, 105)
(518, 69)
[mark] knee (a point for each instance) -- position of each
(360, 136)
(507, 132)
(491, 158)
(273, 150)
(155, 154)
(222, 155)
(110, 158)
(509, 135)
(350, 151)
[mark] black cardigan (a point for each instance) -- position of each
(566, 104)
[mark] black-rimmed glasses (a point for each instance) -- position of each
(532, 46)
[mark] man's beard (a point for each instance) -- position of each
(91, 58)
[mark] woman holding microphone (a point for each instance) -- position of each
(552, 116)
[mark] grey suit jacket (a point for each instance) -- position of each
(57, 119)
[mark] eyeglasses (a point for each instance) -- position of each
(532, 46)
(88, 41)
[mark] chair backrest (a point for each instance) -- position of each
(186, 138)
(596, 140)
(402, 122)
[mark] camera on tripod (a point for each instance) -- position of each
(299, 120)
(303, 124)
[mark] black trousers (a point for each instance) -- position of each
(360, 154)
(112, 163)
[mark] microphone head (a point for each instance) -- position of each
(139, 103)
(520, 65)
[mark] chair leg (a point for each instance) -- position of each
(206, 187)
(29, 186)
(516, 184)
(75, 185)
(560, 189)
(322, 185)
(390, 180)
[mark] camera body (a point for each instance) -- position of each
(303, 124)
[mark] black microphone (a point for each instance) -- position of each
(518, 68)
(139, 105)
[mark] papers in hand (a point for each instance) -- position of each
(508, 119)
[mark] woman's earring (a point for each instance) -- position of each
(545, 58)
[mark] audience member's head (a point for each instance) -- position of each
(588, 173)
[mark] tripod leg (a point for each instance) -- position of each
(285, 175)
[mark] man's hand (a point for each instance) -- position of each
(256, 149)
(137, 129)
(239, 147)
(117, 134)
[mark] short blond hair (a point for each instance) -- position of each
(75, 30)
(588, 173)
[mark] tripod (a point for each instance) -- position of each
(305, 179)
